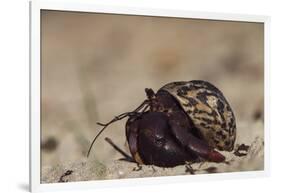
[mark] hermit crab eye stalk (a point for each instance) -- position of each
(138, 111)
(150, 93)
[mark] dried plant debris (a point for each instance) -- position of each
(67, 173)
(123, 153)
(242, 150)
(211, 170)
(258, 115)
(137, 168)
(258, 112)
(189, 169)
(153, 169)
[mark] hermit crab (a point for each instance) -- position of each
(182, 122)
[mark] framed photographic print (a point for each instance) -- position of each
(124, 95)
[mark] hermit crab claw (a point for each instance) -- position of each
(194, 144)
(200, 148)
(216, 156)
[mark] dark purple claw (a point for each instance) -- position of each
(216, 156)
(194, 144)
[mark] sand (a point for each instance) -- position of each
(91, 169)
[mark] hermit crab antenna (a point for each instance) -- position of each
(117, 118)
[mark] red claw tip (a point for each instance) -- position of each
(216, 156)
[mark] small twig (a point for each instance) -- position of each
(188, 168)
(67, 173)
(127, 157)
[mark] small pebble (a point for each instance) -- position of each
(121, 173)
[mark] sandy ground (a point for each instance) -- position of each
(91, 169)
(96, 66)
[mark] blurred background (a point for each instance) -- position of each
(96, 66)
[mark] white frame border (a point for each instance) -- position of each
(34, 137)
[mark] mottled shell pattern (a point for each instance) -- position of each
(209, 111)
